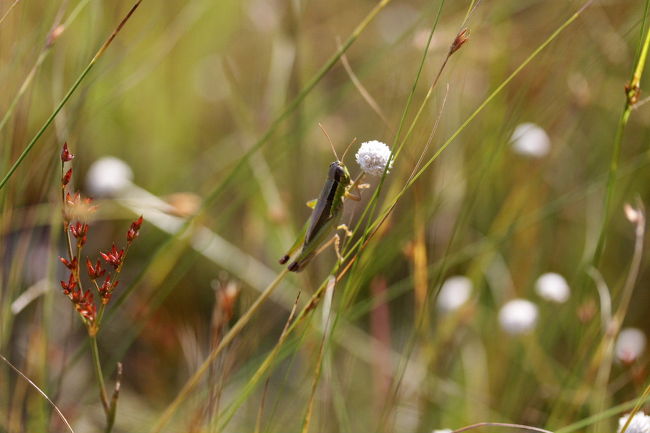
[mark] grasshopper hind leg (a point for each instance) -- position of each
(302, 260)
(297, 244)
(299, 264)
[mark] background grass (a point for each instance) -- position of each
(189, 87)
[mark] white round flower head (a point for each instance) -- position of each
(446, 430)
(552, 287)
(630, 344)
(455, 291)
(528, 139)
(108, 176)
(518, 316)
(640, 423)
(373, 156)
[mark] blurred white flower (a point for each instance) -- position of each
(108, 176)
(552, 287)
(518, 316)
(630, 344)
(528, 139)
(640, 423)
(443, 431)
(455, 291)
(373, 156)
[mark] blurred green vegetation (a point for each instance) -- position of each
(189, 87)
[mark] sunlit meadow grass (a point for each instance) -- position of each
(491, 269)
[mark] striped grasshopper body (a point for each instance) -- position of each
(324, 219)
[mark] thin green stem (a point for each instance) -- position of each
(631, 98)
(98, 373)
(100, 314)
(66, 97)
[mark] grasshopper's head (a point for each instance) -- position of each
(339, 172)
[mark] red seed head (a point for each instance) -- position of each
(106, 290)
(461, 38)
(70, 264)
(68, 288)
(65, 153)
(114, 257)
(96, 271)
(66, 177)
(134, 230)
(79, 231)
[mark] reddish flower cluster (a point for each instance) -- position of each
(77, 208)
(70, 264)
(134, 231)
(84, 304)
(65, 153)
(79, 231)
(96, 271)
(69, 287)
(113, 257)
(106, 290)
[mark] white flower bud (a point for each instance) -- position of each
(552, 287)
(630, 344)
(518, 316)
(640, 423)
(108, 176)
(528, 139)
(373, 156)
(455, 291)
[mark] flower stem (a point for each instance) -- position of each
(100, 376)
(631, 98)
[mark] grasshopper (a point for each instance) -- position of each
(316, 235)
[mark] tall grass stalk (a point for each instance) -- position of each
(204, 367)
(632, 90)
(67, 96)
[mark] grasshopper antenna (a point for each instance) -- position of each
(329, 139)
(348, 148)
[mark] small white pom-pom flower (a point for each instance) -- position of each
(455, 291)
(630, 344)
(552, 287)
(528, 139)
(518, 316)
(373, 156)
(640, 423)
(108, 176)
